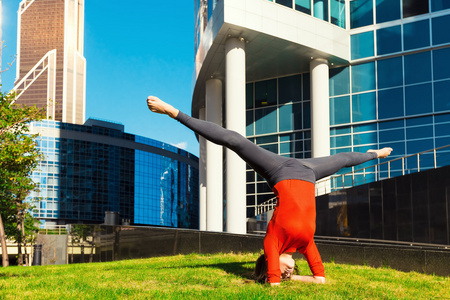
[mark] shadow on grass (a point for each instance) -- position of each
(236, 268)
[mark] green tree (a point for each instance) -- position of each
(19, 156)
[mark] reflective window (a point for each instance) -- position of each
(418, 99)
(339, 83)
(340, 110)
(287, 3)
(442, 96)
(361, 13)
(414, 8)
(416, 35)
(363, 107)
(265, 120)
(437, 5)
(387, 10)
(306, 115)
(440, 27)
(418, 146)
(321, 9)
(266, 93)
(341, 141)
(441, 64)
(289, 89)
(249, 95)
(363, 77)
(365, 138)
(389, 40)
(417, 67)
(390, 72)
(303, 6)
(249, 123)
(390, 103)
(419, 132)
(362, 45)
(290, 117)
(306, 87)
(391, 135)
(337, 8)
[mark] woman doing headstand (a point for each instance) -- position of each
(293, 224)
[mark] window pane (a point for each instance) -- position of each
(392, 135)
(363, 107)
(266, 93)
(340, 110)
(249, 95)
(363, 77)
(365, 138)
(306, 115)
(289, 89)
(439, 5)
(414, 8)
(338, 12)
(341, 141)
(362, 45)
(339, 81)
(389, 40)
(418, 99)
(306, 87)
(390, 72)
(442, 96)
(441, 64)
(417, 67)
(249, 123)
(361, 13)
(387, 10)
(390, 103)
(303, 6)
(287, 3)
(321, 9)
(266, 120)
(419, 132)
(416, 35)
(440, 27)
(290, 117)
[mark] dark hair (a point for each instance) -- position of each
(260, 269)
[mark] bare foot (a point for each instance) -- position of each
(156, 105)
(382, 153)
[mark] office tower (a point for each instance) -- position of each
(309, 78)
(51, 68)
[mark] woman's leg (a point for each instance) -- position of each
(326, 166)
(260, 159)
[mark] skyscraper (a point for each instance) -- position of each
(51, 68)
(310, 78)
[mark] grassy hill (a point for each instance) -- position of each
(220, 276)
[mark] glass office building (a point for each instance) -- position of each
(96, 168)
(387, 81)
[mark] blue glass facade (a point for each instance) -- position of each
(90, 169)
(394, 91)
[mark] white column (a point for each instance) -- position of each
(214, 159)
(235, 117)
(320, 108)
(202, 175)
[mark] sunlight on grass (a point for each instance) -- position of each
(220, 276)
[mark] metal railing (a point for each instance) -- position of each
(414, 163)
(54, 229)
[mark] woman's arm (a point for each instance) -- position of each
(311, 278)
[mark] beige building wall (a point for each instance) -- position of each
(57, 82)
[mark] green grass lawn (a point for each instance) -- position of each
(220, 276)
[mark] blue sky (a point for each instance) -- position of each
(133, 49)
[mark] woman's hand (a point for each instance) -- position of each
(313, 279)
